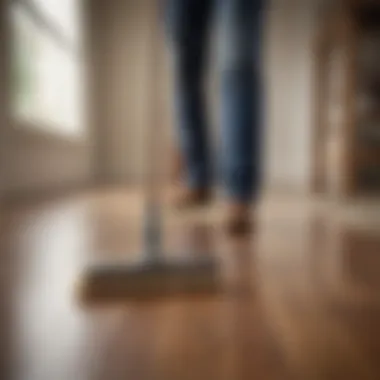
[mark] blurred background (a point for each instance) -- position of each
(77, 76)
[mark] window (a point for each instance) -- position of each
(47, 66)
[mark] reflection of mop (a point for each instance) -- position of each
(154, 276)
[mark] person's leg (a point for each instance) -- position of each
(241, 97)
(188, 26)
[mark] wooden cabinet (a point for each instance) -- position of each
(347, 82)
(368, 99)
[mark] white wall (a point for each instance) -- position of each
(122, 61)
(288, 60)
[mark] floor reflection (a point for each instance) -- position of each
(323, 305)
(301, 300)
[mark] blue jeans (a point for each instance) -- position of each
(189, 24)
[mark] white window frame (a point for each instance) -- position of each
(72, 48)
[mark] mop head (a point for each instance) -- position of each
(151, 280)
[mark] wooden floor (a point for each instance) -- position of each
(302, 295)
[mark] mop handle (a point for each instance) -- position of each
(153, 155)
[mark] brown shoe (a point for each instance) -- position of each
(237, 220)
(188, 198)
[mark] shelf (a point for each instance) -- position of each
(356, 111)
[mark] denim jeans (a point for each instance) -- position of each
(239, 22)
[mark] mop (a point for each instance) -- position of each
(154, 276)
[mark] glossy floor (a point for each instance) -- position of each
(302, 295)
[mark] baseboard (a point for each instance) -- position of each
(282, 189)
(45, 193)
